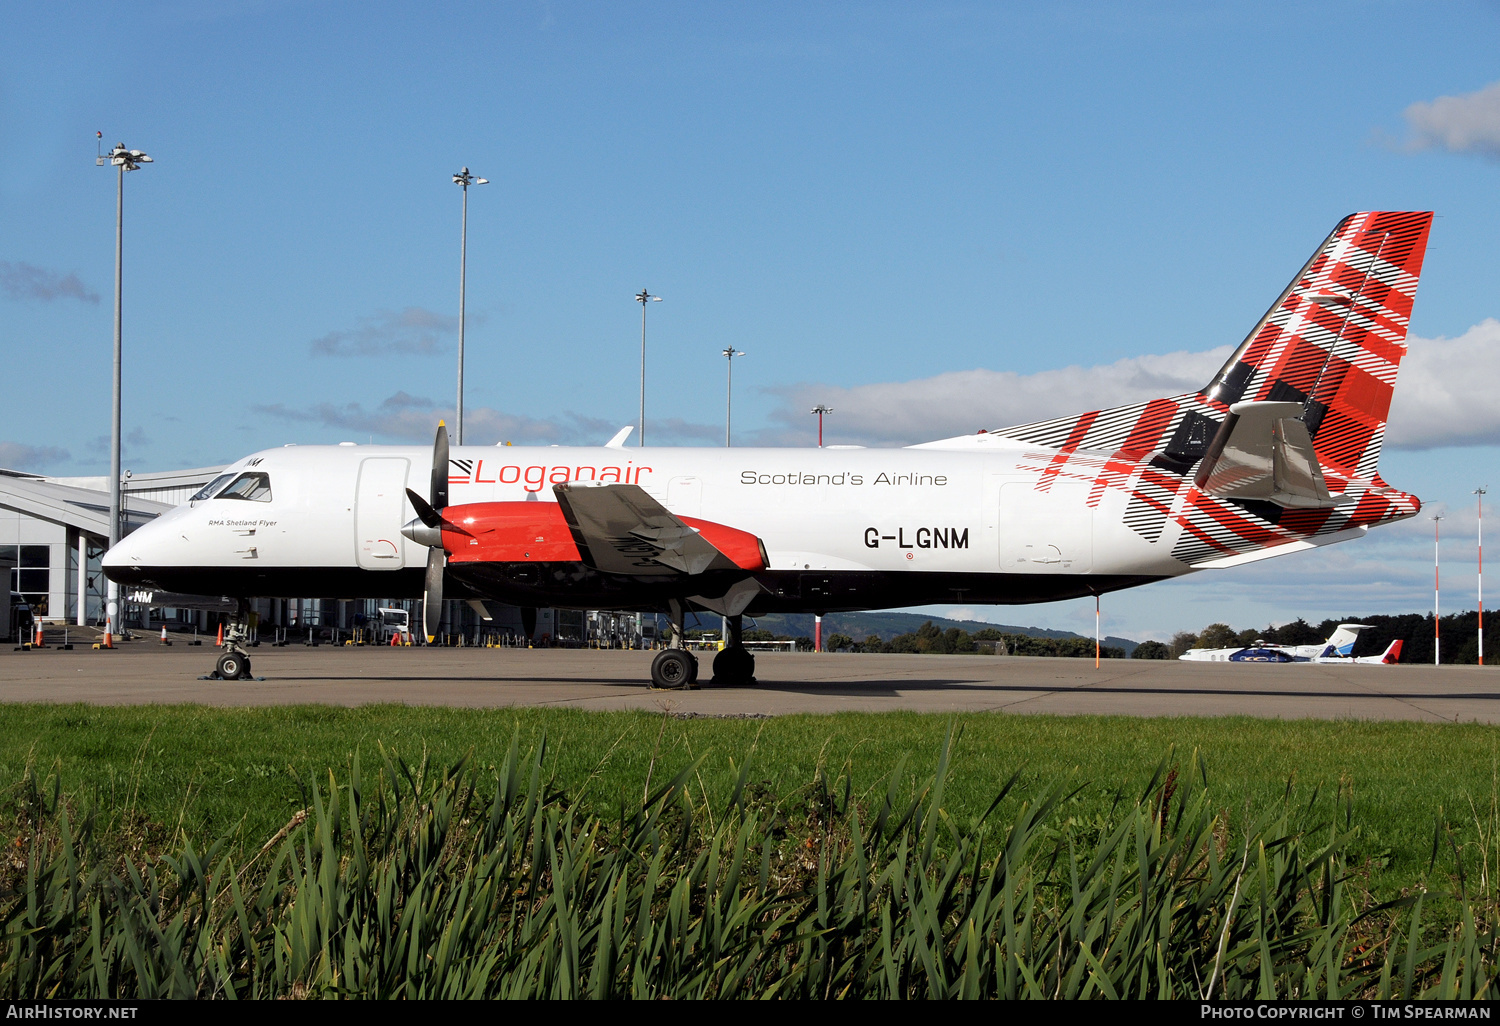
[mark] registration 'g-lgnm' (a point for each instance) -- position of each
(1277, 453)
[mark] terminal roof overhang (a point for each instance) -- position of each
(83, 508)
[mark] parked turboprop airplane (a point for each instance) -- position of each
(1339, 648)
(1276, 454)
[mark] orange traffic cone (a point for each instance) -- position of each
(38, 643)
(164, 640)
(220, 642)
(109, 638)
(394, 640)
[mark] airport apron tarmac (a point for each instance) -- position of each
(788, 683)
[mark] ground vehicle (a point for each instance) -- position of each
(18, 622)
(394, 623)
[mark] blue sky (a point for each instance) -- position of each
(861, 197)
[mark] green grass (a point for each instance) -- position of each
(210, 772)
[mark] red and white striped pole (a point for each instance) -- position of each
(1096, 632)
(1436, 639)
(1481, 493)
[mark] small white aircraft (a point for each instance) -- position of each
(1339, 648)
(1276, 454)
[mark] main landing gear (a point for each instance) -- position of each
(734, 666)
(234, 662)
(676, 668)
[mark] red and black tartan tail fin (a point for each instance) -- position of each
(1334, 340)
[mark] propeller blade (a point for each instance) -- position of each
(425, 513)
(433, 523)
(439, 490)
(432, 595)
(528, 621)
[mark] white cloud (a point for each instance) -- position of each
(1447, 391)
(1445, 396)
(15, 456)
(24, 281)
(414, 418)
(413, 330)
(961, 402)
(1459, 124)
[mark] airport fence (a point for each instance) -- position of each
(422, 881)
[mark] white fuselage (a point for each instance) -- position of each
(335, 512)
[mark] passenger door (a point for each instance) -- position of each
(379, 511)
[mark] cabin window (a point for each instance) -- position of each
(255, 487)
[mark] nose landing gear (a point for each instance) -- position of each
(234, 663)
(232, 666)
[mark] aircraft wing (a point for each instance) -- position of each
(619, 529)
(1265, 454)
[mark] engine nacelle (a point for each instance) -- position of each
(537, 532)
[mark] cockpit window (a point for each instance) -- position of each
(255, 487)
(207, 490)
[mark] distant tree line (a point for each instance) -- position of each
(1460, 637)
(800, 642)
(931, 639)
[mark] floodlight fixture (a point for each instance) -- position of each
(729, 355)
(463, 179)
(122, 159)
(643, 297)
(821, 411)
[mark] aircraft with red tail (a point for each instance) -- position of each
(1277, 453)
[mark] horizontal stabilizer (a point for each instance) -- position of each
(1285, 549)
(1263, 452)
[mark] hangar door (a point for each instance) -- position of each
(379, 511)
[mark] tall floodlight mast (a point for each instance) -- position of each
(643, 297)
(463, 179)
(729, 355)
(820, 410)
(123, 160)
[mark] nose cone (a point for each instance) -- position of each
(124, 563)
(420, 533)
(149, 548)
